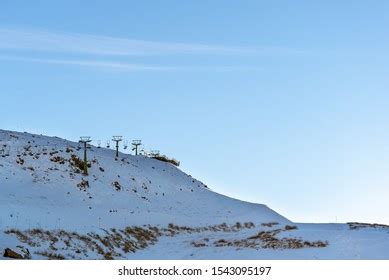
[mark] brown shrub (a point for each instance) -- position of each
(83, 185)
(288, 227)
(166, 159)
(51, 256)
(58, 159)
(117, 186)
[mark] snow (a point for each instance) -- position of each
(344, 244)
(38, 191)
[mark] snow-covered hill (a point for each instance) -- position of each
(139, 207)
(40, 187)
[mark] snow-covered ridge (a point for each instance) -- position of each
(40, 186)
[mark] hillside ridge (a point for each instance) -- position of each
(43, 173)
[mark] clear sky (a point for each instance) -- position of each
(277, 102)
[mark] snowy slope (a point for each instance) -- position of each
(40, 192)
(41, 188)
(343, 244)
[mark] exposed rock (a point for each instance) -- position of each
(8, 253)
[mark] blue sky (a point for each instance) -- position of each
(277, 102)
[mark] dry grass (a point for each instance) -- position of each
(108, 246)
(51, 256)
(58, 159)
(113, 243)
(269, 240)
(288, 227)
(269, 224)
(366, 225)
(77, 164)
(199, 244)
(83, 185)
(166, 159)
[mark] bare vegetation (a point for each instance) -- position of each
(288, 227)
(354, 226)
(77, 164)
(115, 243)
(51, 256)
(117, 186)
(112, 244)
(83, 185)
(269, 224)
(58, 159)
(166, 159)
(19, 160)
(269, 240)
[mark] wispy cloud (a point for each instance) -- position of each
(123, 66)
(40, 40)
(92, 63)
(39, 46)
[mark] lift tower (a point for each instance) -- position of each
(136, 144)
(85, 140)
(117, 139)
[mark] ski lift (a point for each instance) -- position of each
(108, 144)
(125, 145)
(142, 152)
(98, 144)
(85, 140)
(135, 144)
